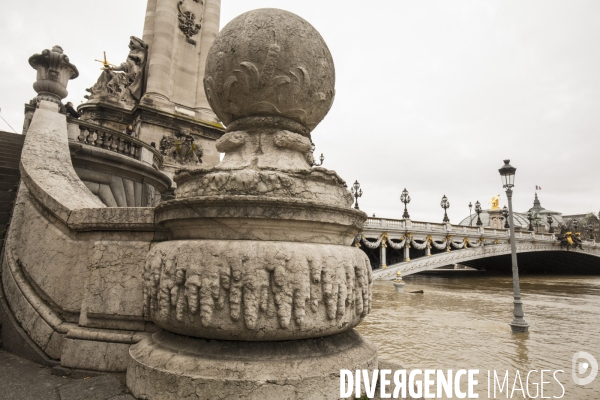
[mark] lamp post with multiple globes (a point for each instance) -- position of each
(405, 198)
(478, 211)
(357, 192)
(445, 204)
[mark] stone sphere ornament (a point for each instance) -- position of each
(270, 63)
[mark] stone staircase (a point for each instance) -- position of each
(11, 146)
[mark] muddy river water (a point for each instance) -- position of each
(461, 322)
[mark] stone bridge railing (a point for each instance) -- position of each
(439, 242)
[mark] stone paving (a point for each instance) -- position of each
(21, 379)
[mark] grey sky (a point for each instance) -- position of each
(431, 95)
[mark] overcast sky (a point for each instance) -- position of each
(430, 95)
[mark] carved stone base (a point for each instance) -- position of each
(169, 366)
(254, 290)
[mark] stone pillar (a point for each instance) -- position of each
(496, 219)
(258, 288)
(162, 23)
(179, 34)
(177, 56)
(382, 255)
(210, 29)
(407, 250)
(164, 99)
(148, 35)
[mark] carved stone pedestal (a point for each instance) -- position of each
(168, 366)
(258, 270)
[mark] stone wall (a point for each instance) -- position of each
(72, 267)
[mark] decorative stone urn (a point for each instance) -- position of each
(259, 254)
(53, 73)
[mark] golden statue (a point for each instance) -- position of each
(495, 202)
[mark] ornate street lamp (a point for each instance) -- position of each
(405, 198)
(357, 192)
(591, 231)
(312, 159)
(549, 220)
(575, 225)
(478, 211)
(530, 218)
(518, 324)
(505, 215)
(322, 158)
(445, 205)
(470, 220)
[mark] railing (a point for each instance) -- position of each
(375, 227)
(389, 225)
(112, 140)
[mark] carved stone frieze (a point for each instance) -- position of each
(256, 290)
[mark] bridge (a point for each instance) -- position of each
(411, 247)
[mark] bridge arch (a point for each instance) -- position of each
(532, 257)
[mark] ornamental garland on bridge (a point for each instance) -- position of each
(383, 240)
(398, 246)
(459, 245)
(420, 246)
(440, 246)
(408, 239)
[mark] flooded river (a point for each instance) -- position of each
(461, 322)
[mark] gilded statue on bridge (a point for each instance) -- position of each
(495, 202)
(569, 239)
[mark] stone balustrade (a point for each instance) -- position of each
(112, 140)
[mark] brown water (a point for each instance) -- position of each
(461, 321)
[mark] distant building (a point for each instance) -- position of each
(493, 218)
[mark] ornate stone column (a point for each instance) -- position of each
(257, 289)
(210, 29)
(148, 36)
(383, 254)
(162, 23)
